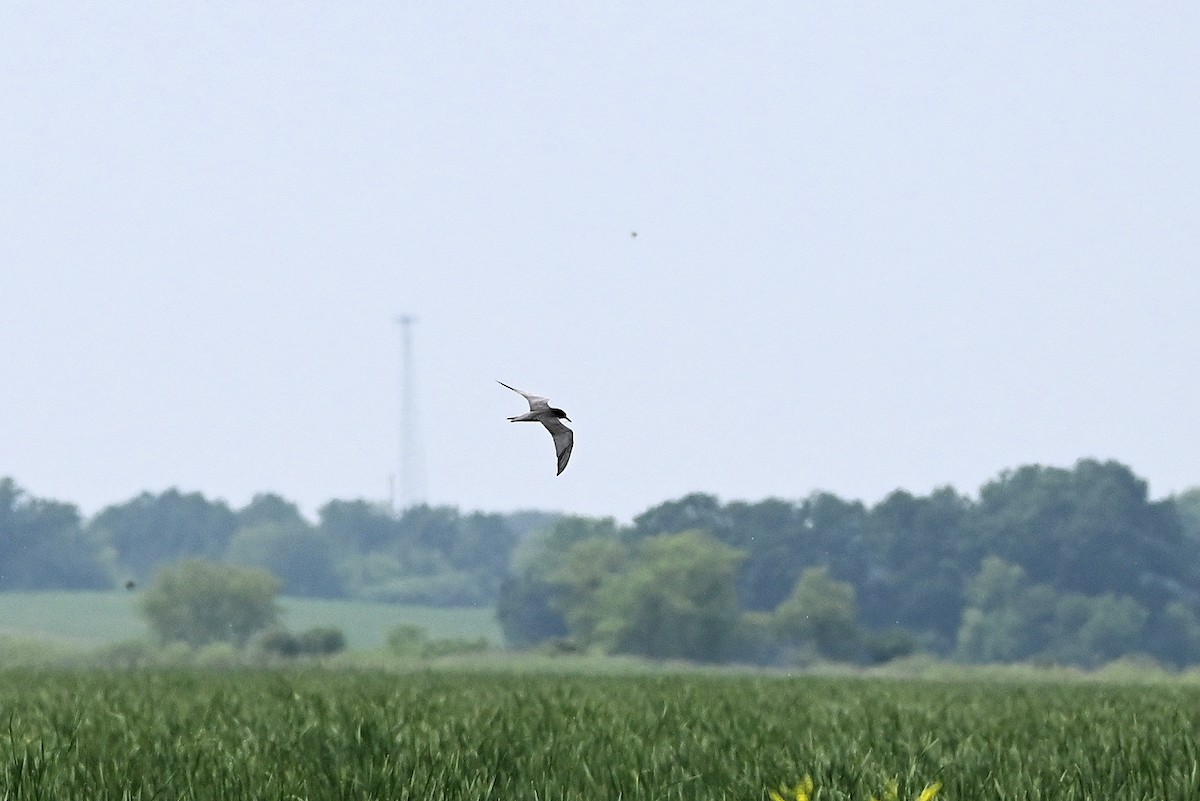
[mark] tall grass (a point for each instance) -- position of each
(324, 734)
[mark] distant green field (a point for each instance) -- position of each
(367, 624)
(100, 618)
(441, 735)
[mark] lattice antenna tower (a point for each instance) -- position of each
(412, 467)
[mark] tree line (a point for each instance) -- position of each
(1068, 565)
(1049, 564)
(357, 549)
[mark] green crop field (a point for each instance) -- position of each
(102, 618)
(344, 734)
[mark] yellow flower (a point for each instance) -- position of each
(929, 792)
(891, 792)
(802, 791)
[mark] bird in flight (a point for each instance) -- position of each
(540, 411)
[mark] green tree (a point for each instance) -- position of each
(779, 538)
(483, 547)
(361, 525)
(994, 636)
(698, 511)
(1177, 634)
(199, 602)
(152, 530)
(837, 528)
(1113, 628)
(432, 527)
(1010, 619)
(921, 558)
(586, 567)
(43, 546)
(1187, 504)
(528, 612)
(822, 612)
(998, 583)
(778, 542)
(278, 641)
(267, 507)
(440, 557)
(676, 601)
(1187, 510)
(322, 641)
(1091, 529)
(408, 640)
(544, 551)
(528, 522)
(531, 603)
(317, 641)
(993, 628)
(478, 546)
(297, 554)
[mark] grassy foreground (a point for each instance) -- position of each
(342, 734)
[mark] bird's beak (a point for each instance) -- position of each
(568, 419)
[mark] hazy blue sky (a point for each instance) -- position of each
(879, 245)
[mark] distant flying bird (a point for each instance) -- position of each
(129, 585)
(540, 411)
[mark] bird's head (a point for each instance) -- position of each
(560, 413)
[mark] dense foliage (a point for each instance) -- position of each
(199, 602)
(453, 735)
(43, 546)
(1057, 565)
(357, 549)
(1068, 565)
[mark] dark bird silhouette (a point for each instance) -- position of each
(540, 411)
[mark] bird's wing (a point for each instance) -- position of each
(536, 402)
(564, 441)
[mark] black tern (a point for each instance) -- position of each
(540, 411)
